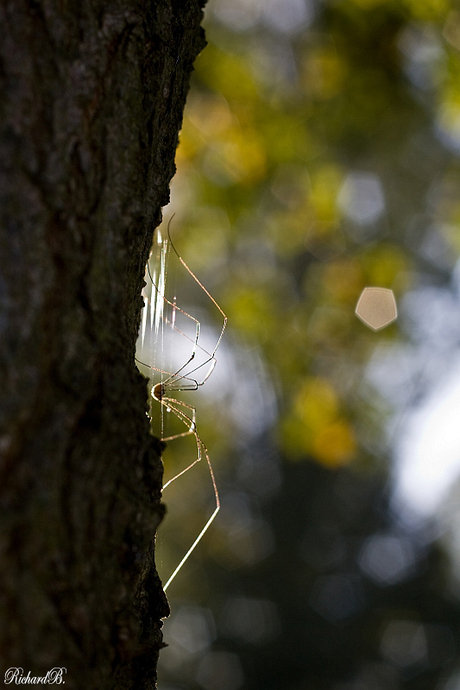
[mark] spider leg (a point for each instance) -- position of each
(185, 313)
(161, 311)
(151, 306)
(174, 376)
(195, 341)
(173, 405)
(224, 324)
(211, 358)
(191, 386)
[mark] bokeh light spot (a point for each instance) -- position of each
(376, 307)
(250, 620)
(336, 597)
(361, 198)
(220, 671)
(404, 643)
(386, 558)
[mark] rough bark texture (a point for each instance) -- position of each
(91, 101)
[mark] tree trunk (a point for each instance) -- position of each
(91, 101)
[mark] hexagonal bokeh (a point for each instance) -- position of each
(376, 307)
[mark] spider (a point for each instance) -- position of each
(187, 377)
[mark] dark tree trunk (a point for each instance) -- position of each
(91, 101)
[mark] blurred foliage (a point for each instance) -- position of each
(318, 156)
(275, 128)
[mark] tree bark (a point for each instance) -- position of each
(91, 101)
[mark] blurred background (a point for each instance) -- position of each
(319, 155)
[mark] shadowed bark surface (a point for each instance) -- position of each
(91, 101)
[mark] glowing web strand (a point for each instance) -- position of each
(160, 292)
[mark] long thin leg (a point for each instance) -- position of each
(173, 405)
(201, 286)
(182, 311)
(201, 450)
(192, 386)
(208, 523)
(182, 379)
(174, 377)
(152, 306)
(195, 344)
(190, 272)
(210, 357)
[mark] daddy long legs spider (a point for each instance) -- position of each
(166, 317)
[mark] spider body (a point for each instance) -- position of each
(158, 391)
